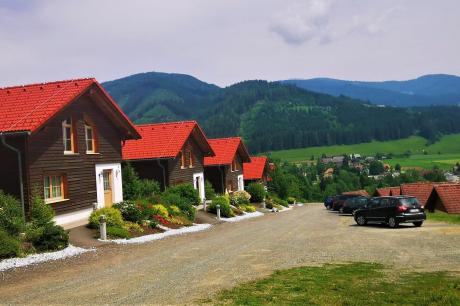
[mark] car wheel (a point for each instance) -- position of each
(361, 220)
(418, 224)
(392, 222)
(341, 210)
(353, 212)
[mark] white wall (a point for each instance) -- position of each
(117, 183)
(201, 176)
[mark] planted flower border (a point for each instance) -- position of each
(244, 216)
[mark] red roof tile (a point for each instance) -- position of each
(357, 192)
(163, 140)
(225, 150)
(255, 169)
(450, 197)
(395, 191)
(421, 191)
(383, 192)
(28, 107)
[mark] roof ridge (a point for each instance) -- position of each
(225, 138)
(46, 83)
(39, 105)
(166, 123)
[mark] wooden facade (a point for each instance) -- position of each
(222, 178)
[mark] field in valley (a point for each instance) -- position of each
(444, 153)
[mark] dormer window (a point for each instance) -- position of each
(182, 159)
(68, 135)
(234, 166)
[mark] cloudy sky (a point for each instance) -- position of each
(225, 41)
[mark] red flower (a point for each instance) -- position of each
(160, 219)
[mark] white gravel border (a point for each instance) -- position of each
(170, 232)
(285, 209)
(243, 217)
(69, 251)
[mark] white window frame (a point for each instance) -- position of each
(93, 143)
(66, 125)
(51, 198)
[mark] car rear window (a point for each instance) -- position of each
(410, 202)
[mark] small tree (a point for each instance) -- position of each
(209, 191)
(257, 192)
(398, 167)
(376, 167)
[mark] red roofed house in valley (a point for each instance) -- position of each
(170, 153)
(421, 191)
(225, 169)
(445, 197)
(256, 170)
(65, 138)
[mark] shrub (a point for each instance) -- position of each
(236, 210)
(173, 210)
(225, 209)
(41, 214)
(291, 200)
(50, 238)
(113, 217)
(160, 210)
(209, 191)
(185, 191)
(247, 208)
(119, 232)
(11, 219)
(181, 220)
(257, 192)
(130, 211)
(174, 199)
(239, 198)
(135, 188)
(133, 227)
(281, 202)
(9, 246)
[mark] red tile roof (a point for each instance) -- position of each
(357, 192)
(164, 140)
(383, 192)
(225, 150)
(255, 169)
(29, 107)
(421, 191)
(395, 191)
(450, 197)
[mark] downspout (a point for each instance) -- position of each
(164, 172)
(21, 180)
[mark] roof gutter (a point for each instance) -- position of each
(18, 152)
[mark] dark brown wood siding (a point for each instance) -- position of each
(46, 154)
(152, 170)
(178, 175)
(231, 181)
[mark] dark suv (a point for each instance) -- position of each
(340, 199)
(392, 211)
(352, 204)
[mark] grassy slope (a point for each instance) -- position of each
(444, 217)
(448, 146)
(353, 284)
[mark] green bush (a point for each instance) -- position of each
(9, 246)
(291, 200)
(41, 214)
(225, 209)
(257, 192)
(175, 199)
(134, 188)
(187, 192)
(130, 211)
(160, 210)
(113, 217)
(247, 208)
(209, 191)
(50, 238)
(173, 210)
(118, 232)
(11, 219)
(239, 198)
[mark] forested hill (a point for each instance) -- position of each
(273, 116)
(435, 89)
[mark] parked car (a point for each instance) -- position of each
(340, 199)
(352, 204)
(392, 211)
(328, 202)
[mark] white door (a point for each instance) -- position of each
(240, 183)
(198, 183)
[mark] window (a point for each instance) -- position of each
(234, 165)
(68, 136)
(90, 138)
(54, 188)
(182, 159)
(190, 159)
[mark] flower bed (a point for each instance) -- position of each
(243, 217)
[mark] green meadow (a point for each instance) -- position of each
(444, 153)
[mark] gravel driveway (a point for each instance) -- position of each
(180, 270)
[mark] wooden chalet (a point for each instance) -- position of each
(225, 169)
(170, 153)
(62, 141)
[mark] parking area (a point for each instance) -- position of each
(182, 269)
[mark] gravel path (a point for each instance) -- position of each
(180, 270)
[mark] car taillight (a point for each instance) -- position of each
(402, 208)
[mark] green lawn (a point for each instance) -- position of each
(352, 284)
(444, 217)
(448, 146)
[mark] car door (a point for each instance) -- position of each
(373, 210)
(383, 209)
